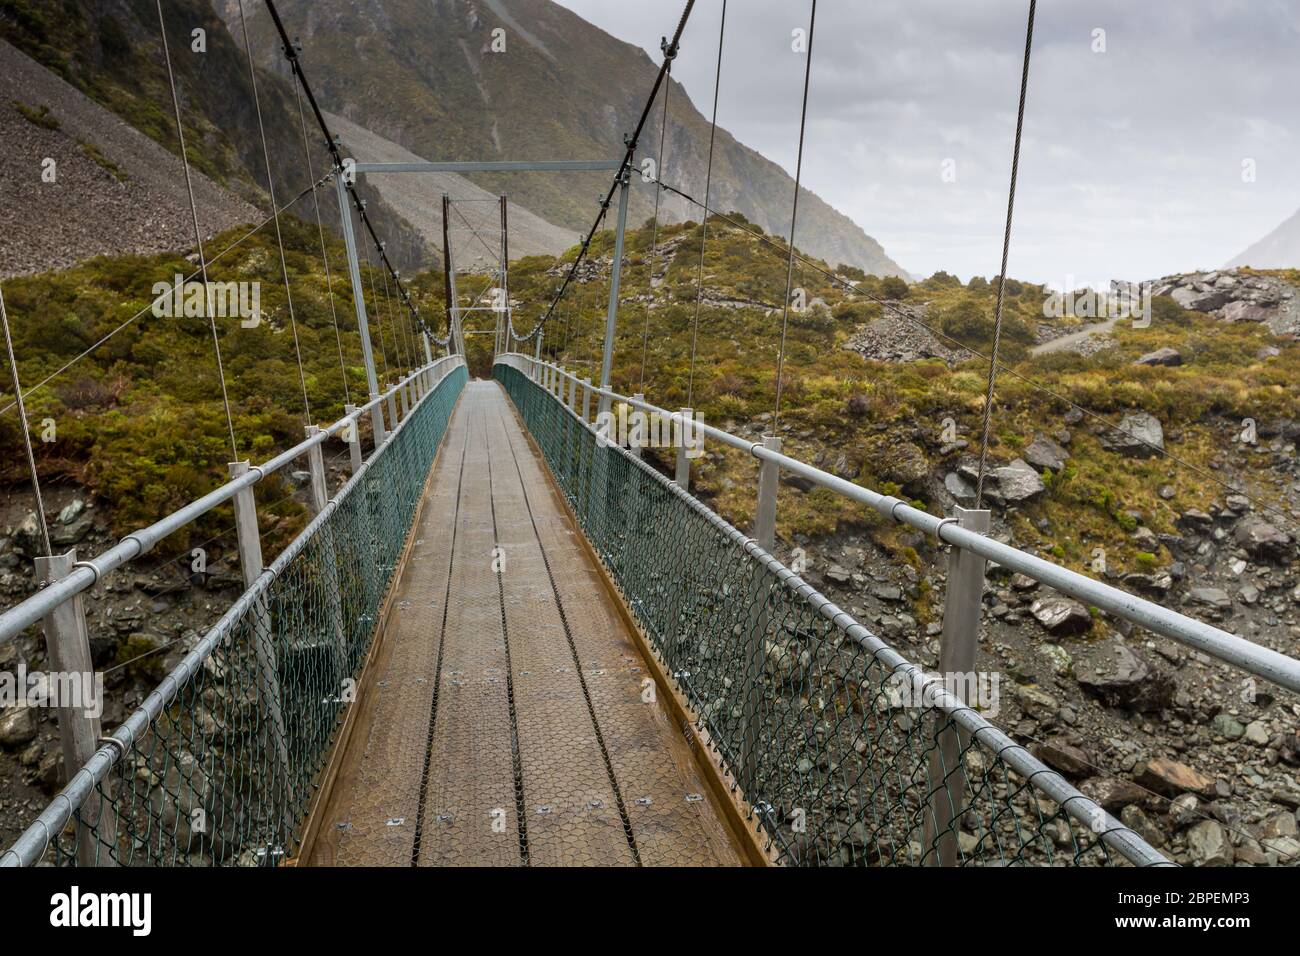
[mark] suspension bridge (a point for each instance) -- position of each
(508, 638)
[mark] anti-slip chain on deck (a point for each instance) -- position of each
(539, 740)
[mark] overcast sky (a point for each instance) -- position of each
(1132, 162)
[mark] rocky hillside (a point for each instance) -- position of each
(423, 75)
(114, 190)
(111, 52)
(1239, 295)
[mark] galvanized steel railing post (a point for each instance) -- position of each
(246, 531)
(682, 475)
(67, 651)
(268, 677)
(352, 435)
(391, 401)
(406, 404)
(316, 467)
(769, 475)
(957, 649)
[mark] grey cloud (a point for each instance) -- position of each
(1132, 160)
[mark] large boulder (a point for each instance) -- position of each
(1060, 754)
(1241, 311)
(27, 539)
(1263, 542)
(1043, 453)
(1112, 793)
(1196, 521)
(1061, 615)
(1209, 845)
(1013, 483)
(1171, 778)
(905, 464)
(1139, 435)
(1164, 356)
(17, 726)
(1199, 301)
(1018, 482)
(961, 489)
(1116, 675)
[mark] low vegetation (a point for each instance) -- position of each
(885, 424)
(140, 420)
(133, 408)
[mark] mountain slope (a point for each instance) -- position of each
(1280, 249)
(111, 51)
(115, 190)
(418, 200)
(422, 74)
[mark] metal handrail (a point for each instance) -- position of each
(87, 573)
(36, 838)
(1230, 648)
(927, 687)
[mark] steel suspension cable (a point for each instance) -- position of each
(408, 332)
(1006, 247)
(654, 236)
(492, 254)
(324, 253)
(407, 337)
(279, 238)
(198, 234)
(794, 217)
(704, 227)
(27, 435)
(163, 297)
(333, 145)
(399, 346)
(628, 155)
(379, 316)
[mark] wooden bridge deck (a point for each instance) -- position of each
(508, 717)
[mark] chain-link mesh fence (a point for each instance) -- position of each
(220, 764)
(846, 753)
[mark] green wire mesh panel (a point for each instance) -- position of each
(841, 762)
(225, 772)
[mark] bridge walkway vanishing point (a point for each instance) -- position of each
(509, 717)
